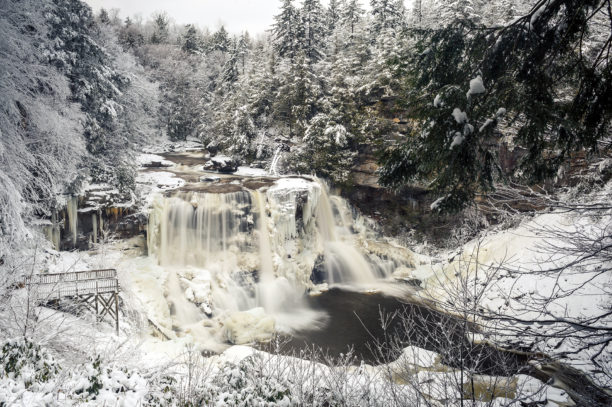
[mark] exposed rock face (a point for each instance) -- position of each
(212, 148)
(222, 164)
(396, 211)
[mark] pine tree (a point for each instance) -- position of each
(386, 15)
(463, 80)
(230, 69)
(352, 14)
(448, 12)
(220, 40)
(103, 16)
(161, 25)
(285, 31)
(191, 41)
(334, 15)
(244, 45)
(130, 36)
(298, 94)
(313, 29)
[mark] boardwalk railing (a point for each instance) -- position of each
(75, 284)
(97, 289)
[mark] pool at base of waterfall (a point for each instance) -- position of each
(236, 266)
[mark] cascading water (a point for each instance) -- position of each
(245, 258)
(343, 262)
(199, 229)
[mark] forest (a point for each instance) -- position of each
(370, 203)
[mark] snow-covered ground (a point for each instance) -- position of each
(544, 285)
(158, 333)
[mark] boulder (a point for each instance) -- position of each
(212, 148)
(223, 164)
(209, 178)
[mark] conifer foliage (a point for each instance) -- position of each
(533, 80)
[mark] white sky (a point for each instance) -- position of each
(254, 16)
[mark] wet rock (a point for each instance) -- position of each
(157, 164)
(209, 178)
(413, 282)
(213, 148)
(222, 164)
(319, 273)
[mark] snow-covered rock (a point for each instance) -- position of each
(250, 326)
(223, 164)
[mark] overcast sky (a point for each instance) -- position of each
(237, 15)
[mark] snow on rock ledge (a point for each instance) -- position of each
(250, 326)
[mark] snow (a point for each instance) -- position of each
(476, 86)
(221, 159)
(436, 204)
(249, 326)
(145, 159)
(457, 140)
(460, 117)
(486, 124)
(437, 101)
(416, 357)
(515, 294)
(149, 183)
(251, 172)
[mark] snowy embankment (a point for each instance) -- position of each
(168, 369)
(544, 285)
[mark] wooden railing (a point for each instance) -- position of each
(96, 289)
(75, 283)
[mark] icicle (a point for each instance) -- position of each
(72, 210)
(94, 223)
(55, 231)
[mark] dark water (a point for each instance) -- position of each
(355, 323)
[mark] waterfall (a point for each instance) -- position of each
(265, 253)
(274, 163)
(344, 263)
(183, 311)
(198, 229)
(245, 258)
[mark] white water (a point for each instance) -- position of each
(343, 261)
(274, 163)
(238, 265)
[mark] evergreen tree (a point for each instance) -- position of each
(386, 15)
(220, 41)
(103, 16)
(191, 41)
(448, 12)
(230, 70)
(285, 31)
(98, 87)
(334, 14)
(161, 32)
(313, 29)
(244, 44)
(352, 15)
(298, 94)
(463, 80)
(130, 36)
